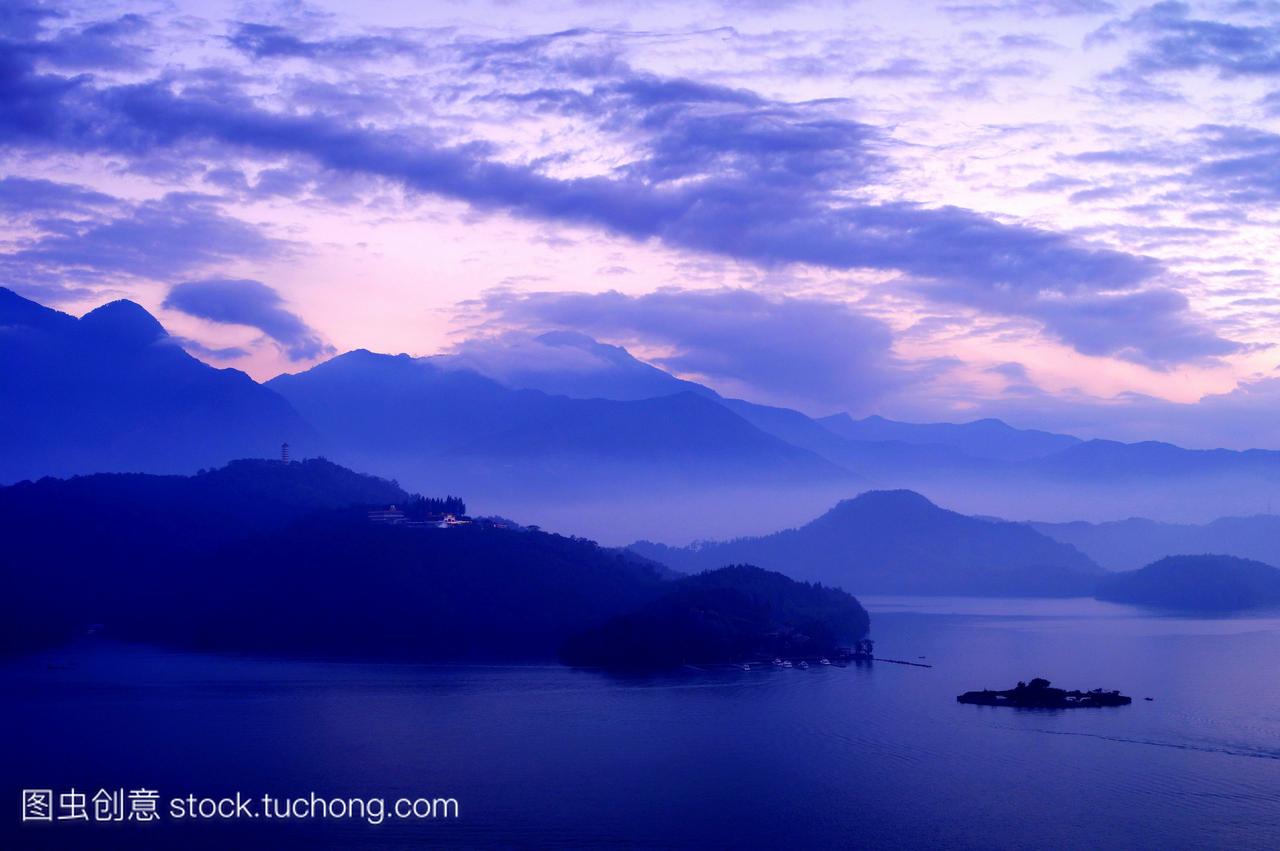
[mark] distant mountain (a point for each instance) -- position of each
(266, 557)
(1113, 461)
(575, 365)
(567, 363)
(988, 438)
(900, 542)
(1205, 583)
(685, 432)
(397, 412)
(112, 391)
(734, 614)
(1130, 544)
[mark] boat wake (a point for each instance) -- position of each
(1185, 746)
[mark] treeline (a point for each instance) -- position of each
(420, 507)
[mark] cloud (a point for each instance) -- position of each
(268, 41)
(109, 44)
(24, 197)
(212, 352)
(1230, 167)
(1156, 321)
(710, 170)
(1239, 165)
(252, 303)
(815, 353)
(1174, 41)
(1032, 8)
(157, 240)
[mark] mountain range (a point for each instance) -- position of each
(113, 392)
(1134, 542)
(562, 430)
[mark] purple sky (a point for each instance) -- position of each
(1057, 211)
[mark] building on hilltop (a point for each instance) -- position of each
(390, 516)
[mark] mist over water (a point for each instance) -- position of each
(830, 756)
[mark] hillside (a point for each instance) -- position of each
(267, 557)
(113, 392)
(899, 542)
(722, 616)
(1203, 583)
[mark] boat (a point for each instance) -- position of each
(802, 664)
(1038, 694)
(824, 661)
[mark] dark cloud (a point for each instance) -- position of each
(1226, 169)
(157, 239)
(267, 41)
(1012, 371)
(21, 19)
(108, 44)
(251, 303)
(1240, 166)
(1028, 41)
(809, 352)
(1158, 322)
(22, 196)
(1173, 41)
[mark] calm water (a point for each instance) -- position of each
(872, 756)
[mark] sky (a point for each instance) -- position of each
(1059, 212)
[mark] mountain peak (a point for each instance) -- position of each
(568, 338)
(123, 321)
(896, 500)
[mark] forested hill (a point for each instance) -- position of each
(269, 557)
(734, 614)
(58, 517)
(900, 542)
(1205, 583)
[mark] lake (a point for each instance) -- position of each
(878, 755)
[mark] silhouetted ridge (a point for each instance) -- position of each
(111, 392)
(436, 422)
(18, 312)
(1136, 542)
(1197, 583)
(262, 556)
(900, 542)
(734, 614)
(122, 322)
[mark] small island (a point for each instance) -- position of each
(1038, 694)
